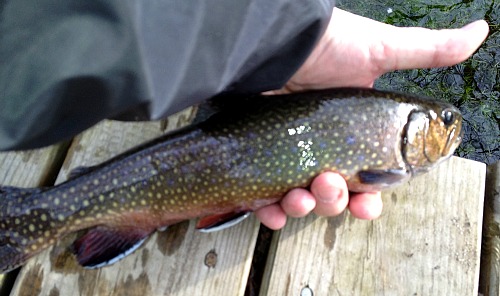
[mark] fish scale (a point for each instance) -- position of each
(242, 158)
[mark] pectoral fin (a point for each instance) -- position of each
(220, 221)
(103, 246)
(383, 177)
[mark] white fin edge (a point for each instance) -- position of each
(119, 257)
(225, 225)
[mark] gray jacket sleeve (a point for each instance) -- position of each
(65, 65)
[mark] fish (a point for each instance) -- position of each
(248, 154)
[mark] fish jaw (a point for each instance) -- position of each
(431, 136)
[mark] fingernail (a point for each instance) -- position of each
(472, 26)
(469, 27)
(332, 195)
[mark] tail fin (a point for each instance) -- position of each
(14, 249)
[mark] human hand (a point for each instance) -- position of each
(354, 51)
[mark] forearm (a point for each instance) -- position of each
(66, 66)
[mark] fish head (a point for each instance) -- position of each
(431, 135)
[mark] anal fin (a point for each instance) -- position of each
(220, 221)
(102, 246)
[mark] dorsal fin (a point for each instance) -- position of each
(80, 171)
(102, 246)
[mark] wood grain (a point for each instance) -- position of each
(427, 242)
(30, 168)
(179, 261)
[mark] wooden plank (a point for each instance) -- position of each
(427, 242)
(30, 168)
(489, 283)
(179, 261)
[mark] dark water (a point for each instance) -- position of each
(473, 86)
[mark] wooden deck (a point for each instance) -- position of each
(427, 241)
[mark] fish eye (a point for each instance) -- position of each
(448, 116)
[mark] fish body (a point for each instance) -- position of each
(240, 159)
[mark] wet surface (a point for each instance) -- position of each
(473, 86)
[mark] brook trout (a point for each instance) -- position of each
(240, 159)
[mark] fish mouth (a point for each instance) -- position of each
(452, 142)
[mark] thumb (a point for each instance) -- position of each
(410, 48)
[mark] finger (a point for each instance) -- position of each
(367, 206)
(409, 48)
(298, 203)
(272, 216)
(330, 191)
